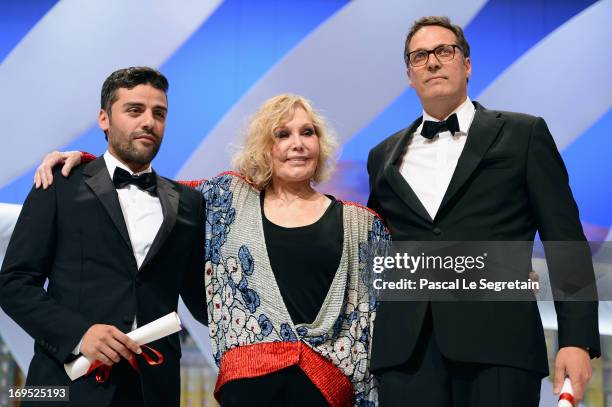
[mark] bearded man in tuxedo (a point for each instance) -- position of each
(462, 172)
(117, 244)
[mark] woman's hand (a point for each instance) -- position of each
(44, 173)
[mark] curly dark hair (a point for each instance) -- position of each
(130, 78)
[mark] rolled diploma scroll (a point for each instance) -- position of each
(566, 389)
(160, 328)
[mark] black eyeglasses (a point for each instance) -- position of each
(444, 53)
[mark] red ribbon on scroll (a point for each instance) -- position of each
(103, 371)
(568, 397)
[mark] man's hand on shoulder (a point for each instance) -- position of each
(107, 344)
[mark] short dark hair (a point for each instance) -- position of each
(130, 78)
(442, 22)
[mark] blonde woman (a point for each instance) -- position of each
(290, 312)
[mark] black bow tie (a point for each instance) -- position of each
(147, 181)
(430, 129)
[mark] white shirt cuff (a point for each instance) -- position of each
(77, 349)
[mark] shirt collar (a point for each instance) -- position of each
(465, 114)
(112, 162)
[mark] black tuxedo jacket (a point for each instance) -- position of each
(510, 182)
(74, 235)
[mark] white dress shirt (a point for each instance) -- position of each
(142, 211)
(143, 217)
(428, 165)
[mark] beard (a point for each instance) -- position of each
(128, 150)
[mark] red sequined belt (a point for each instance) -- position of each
(244, 362)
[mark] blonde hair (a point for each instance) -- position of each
(254, 161)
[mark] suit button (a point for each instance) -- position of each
(436, 231)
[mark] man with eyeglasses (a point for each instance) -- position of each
(465, 173)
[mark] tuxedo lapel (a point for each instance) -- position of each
(169, 199)
(98, 179)
(484, 129)
(395, 179)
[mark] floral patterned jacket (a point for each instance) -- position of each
(246, 310)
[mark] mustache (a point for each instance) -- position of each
(150, 133)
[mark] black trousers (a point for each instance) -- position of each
(428, 379)
(289, 387)
(129, 388)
